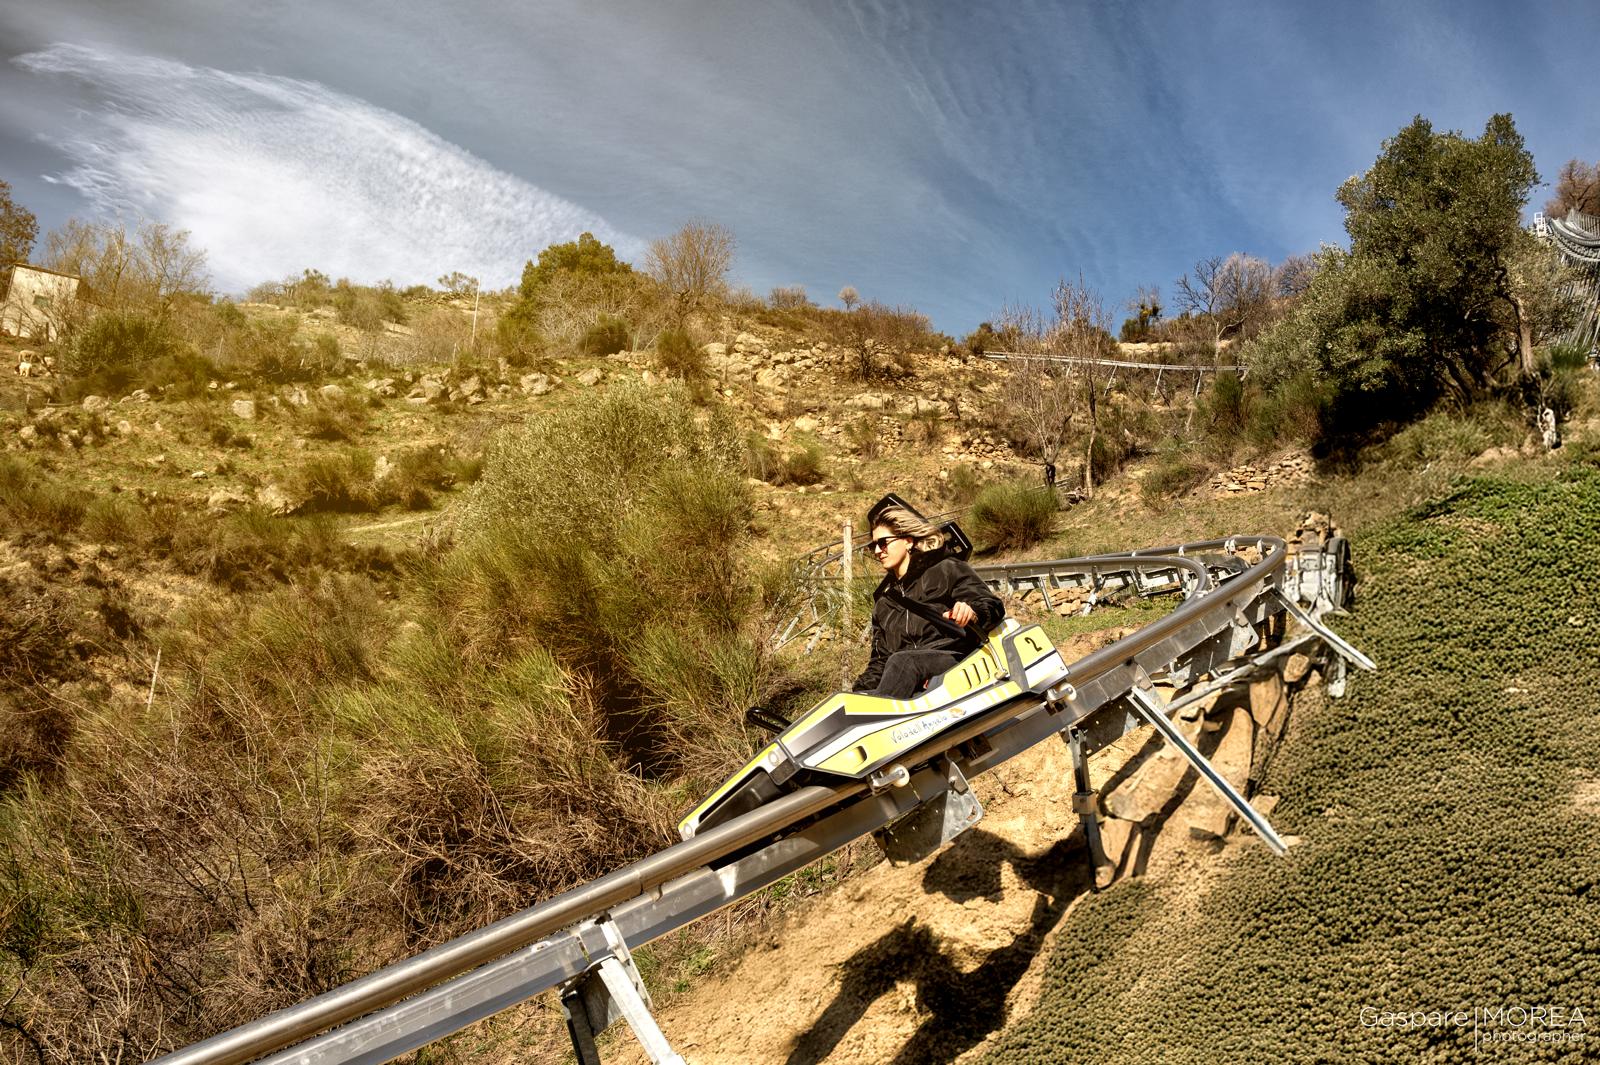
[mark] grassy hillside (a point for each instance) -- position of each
(1448, 811)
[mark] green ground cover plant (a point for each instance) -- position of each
(1449, 846)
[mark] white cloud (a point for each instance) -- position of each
(273, 174)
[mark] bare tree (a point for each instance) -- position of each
(1232, 295)
(1292, 277)
(147, 270)
(873, 329)
(1038, 393)
(1080, 330)
(849, 297)
(692, 264)
(1577, 188)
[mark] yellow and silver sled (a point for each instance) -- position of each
(853, 736)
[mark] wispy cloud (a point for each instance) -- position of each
(274, 174)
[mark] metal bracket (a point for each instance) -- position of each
(934, 823)
(1339, 644)
(1148, 707)
(612, 988)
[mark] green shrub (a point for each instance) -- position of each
(963, 485)
(1446, 436)
(415, 474)
(678, 356)
(339, 417)
(865, 436)
(606, 337)
(1012, 515)
(597, 530)
(252, 547)
(336, 484)
(116, 343)
(1174, 475)
(34, 502)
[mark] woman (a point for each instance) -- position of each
(929, 612)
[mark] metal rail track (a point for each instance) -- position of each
(587, 933)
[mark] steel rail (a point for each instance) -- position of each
(1113, 670)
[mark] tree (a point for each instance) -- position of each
(458, 284)
(1230, 295)
(1424, 304)
(849, 297)
(18, 229)
(875, 328)
(1577, 188)
(1039, 395)
(1080, 332)
(585, 257)
(692, 265)
(147, 270)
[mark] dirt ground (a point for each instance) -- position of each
(928, 962)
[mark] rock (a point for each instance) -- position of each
(650, 379)
(382, 468)
(472, 386)
(382, 386)
(416, 401)
(331, 392)
(296, 396)
(429, 386)
(95, 404)
(124, 428)
(1296, 668)
(590, 377)
(28, 434)
(867, 401)
(535, 384)
(243, 408)
(1208, 814)
(771, 379)
(930, 406)
(226, 499)
(806, 424)
(275, 499)
(715, 350)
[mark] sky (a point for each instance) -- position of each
(954, 157)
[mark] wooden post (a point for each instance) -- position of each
(848, 571)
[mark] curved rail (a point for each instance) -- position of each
(528, 952)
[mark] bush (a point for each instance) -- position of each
(802, 466)
(1176, 474)
(33, 502)
(611, 532)
(1446, 436)
(336, 483)
(606, 337)
(1012, 515)
(963, 485)
(678, 356)
(865, 436)
(338, 417)
(414, 476)
(117, 343)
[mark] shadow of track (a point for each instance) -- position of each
(962, 1007)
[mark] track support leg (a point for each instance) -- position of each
(1150, 708)
(612, 988)
(1087, 804)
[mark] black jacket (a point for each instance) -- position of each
(938, 582)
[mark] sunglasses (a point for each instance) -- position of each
(882, 543)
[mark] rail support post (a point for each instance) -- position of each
(1087, 804)
(612, 988)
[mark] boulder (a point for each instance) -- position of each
(226, 499)
(472, 386)
(275, 499)
(297, 396)
(535, 384)
(243, 408)
(590, 377)
(95, 404)
(331, 392)
(772, 379)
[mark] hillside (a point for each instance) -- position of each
(263, 722)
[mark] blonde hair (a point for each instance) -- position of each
(924, 535)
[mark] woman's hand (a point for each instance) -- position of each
(962, 614)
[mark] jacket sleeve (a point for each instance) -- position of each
(969, 588)
(868, 681)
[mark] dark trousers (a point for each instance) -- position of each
(906, 671)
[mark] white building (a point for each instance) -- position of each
(35, 301)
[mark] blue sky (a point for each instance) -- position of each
(952, 156)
